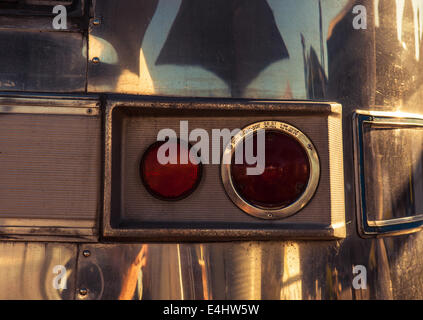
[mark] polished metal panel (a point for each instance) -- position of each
(273, 213)
(42, 61)
(197, 271)
(289, 50)
(252, 270)
(28, 270)
(37, 57)
(49, 167)
(257, 49)
(130, 210)
(248, 270)
(389, 172)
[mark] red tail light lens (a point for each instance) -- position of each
(290, 176)
(171, 181)
(285, 177)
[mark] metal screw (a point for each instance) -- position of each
(96, 60)
(86, 253)
(270, 215)
(83, 291)
(89, 110)
(96, 21)
(309, 146)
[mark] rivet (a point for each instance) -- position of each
(83, 291)
(96, 21)
(86, 253)
(309, 146)
(89, 110)
(270, 215)
(96, 60)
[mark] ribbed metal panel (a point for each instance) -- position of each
(49, 173)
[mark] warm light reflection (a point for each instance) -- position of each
(376, 11)
(133, 275)
(418, 28)
(101, 49)
(417, 6)
(395, 114)
(291, 279)
(399, 13)
(140, 83)
(128, 82)
(246, 271)
(204, 279)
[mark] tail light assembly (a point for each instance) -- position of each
(288, 180)
(230, 170)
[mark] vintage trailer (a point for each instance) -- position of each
(87, 211)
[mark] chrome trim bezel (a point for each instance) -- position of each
(315, 230)
(273, 213)
(76, 111)
(378, 228)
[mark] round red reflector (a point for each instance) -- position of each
(173, 180)
(285, 177)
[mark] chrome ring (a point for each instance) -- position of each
(273, 213)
